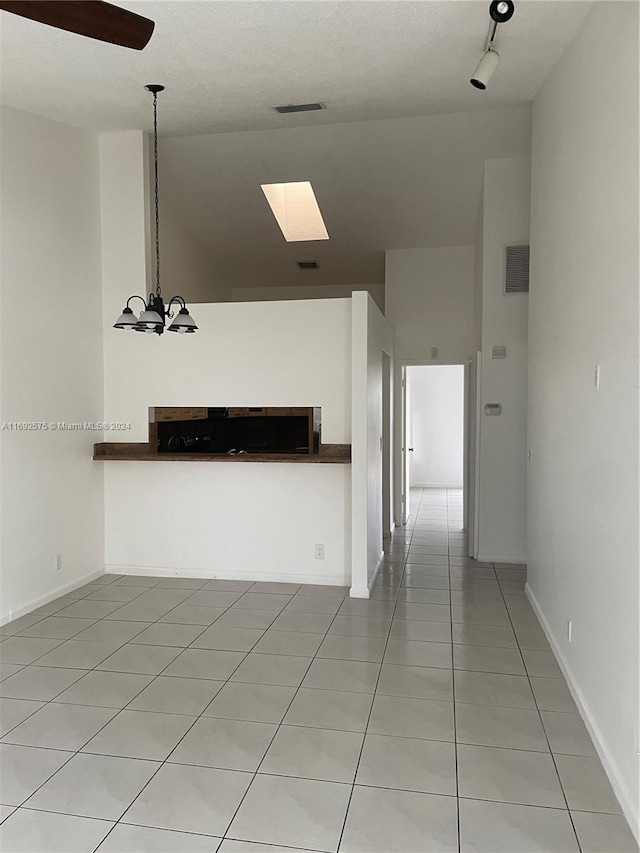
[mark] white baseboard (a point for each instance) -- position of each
(436, 485)
(377, 570)
(278, 577)
(10, 615)
(365, 591)
(608, 762)
(516, 561)
(359, 592)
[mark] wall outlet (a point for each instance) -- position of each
(319, 552)
(569, 629)
(58, 562)
(434, 352)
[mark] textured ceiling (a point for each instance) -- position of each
(395, 160)
(226, 64)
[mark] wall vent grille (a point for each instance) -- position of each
(299, 108)
(516, 269)
(308, 265)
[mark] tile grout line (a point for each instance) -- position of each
(118, 711)
(278, 727)
(396, 588)
(51, 701)
(86, 671)
(227, 681)
(535, 700)
(368, 722)
(453, 687)
(196, 719)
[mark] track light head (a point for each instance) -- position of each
(501, 11)
(487, 65)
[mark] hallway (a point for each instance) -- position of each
(527, 775)
(167, 714)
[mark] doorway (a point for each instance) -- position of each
(433, 441)
(436, 424)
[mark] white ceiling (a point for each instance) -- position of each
(226, 63)
(390, 184)
(395, 160)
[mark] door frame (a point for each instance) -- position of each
(388, 521)
(473, 421)
(469, 454)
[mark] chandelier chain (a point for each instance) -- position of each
(155, 167)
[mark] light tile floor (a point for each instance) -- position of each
(150, 714)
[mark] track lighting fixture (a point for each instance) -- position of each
(500, 11)
(487, 65)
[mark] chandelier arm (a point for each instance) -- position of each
(180, 302)
(135, 296)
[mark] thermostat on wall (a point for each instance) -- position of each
(492, 409)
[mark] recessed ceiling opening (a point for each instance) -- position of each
(296, 211)
(308, 265)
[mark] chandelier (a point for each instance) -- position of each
(152, 318)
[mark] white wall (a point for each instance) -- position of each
(228, 519)
(186, 266)
(583, 477)
(50, 357)
(371, 337)
(250, 521)
(126, 246)
(429, 301)
(503, 438)
(437, 413)
(320, 291)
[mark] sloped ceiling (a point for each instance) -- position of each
(395, 159)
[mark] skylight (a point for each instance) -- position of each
(296, 211)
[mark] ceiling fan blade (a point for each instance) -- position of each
(92, 18)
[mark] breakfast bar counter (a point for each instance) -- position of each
(336, 454)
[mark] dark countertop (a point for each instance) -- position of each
(337, 454)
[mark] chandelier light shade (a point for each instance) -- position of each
(152, 318)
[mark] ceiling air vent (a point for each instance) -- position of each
(516, 269)
(299, 108)
(308, 265)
